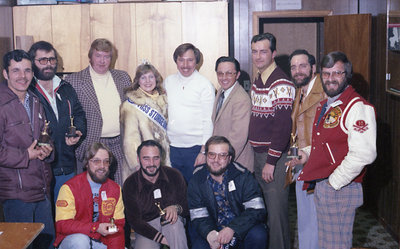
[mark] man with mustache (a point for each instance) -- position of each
(155, 201)
(60, 103)
(190, 105)
(308, 97)
(225, 201)
(343, 143)
(25, 170)
(89, 208)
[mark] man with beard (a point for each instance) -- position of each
(155, 200)
(309, 95)
(60, 104)
(225, 201)
(343, 143)
(89, 208)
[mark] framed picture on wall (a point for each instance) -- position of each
(394, 36)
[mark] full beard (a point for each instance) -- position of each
(217, 172)
(97, 179)
(332, 93)
(41, 75)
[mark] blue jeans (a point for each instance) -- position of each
(59, 181)
(183, 160)
(19, 211)
(80, 241)
(256, 238)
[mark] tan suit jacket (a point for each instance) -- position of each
(303, 115)
(232, 122)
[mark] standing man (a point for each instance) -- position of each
(24, 165)
(190, 104)
(152, 191)
(343, 138)
(231, 112)
(225, 201)
(100, 91)
(308, 97)
(272, 95)
(89, 208)
(61, 105)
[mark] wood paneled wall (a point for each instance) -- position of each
(243, 11)
(382, 183)
(6, 36)
(139, 31)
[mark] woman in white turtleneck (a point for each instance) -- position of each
(143, 116)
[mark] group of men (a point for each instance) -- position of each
(228, 152)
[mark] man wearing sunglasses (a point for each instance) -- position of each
(225, 201)
(60, 104)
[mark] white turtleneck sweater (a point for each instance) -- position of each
(190, 104)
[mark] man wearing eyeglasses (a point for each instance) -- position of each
(343, 143)
(61, 105)
(225, 201)
(308, 97)
(231, 112)
(89, 208)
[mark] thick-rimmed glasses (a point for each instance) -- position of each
(335, 74)
(45, 60)
(98, 162)
(213, 155)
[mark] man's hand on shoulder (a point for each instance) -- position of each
(103, 229)
(268, 172)
(225, 235)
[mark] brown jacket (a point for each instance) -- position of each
(232, 122)
(303, 117)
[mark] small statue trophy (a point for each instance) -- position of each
(72, 129)
(163, 221)
(113, 228)
(44, 138)
(294, 149)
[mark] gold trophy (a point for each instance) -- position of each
(163, 221)
(72, 129)
(294, 149)
(113, 228)
(44, 138)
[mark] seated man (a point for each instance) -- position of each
(89, 208)
(225, 201)
(155, 199)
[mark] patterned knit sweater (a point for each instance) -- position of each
(270, 122)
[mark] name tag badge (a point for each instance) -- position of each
(157, 193)
(231, 186)
(103, 196)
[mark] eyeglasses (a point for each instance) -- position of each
(335, 74)
(98, 162)
(45, 60)
(227, 74)
(213, 155)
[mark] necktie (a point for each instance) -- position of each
(219, 104)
